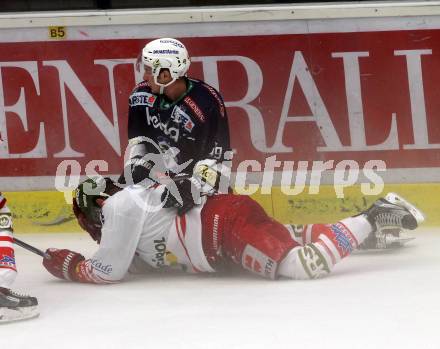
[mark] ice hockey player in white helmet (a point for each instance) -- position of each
(222, 231)
(181, 119)
(13, 306)
(166, 53)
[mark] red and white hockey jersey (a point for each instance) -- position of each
(136, 226)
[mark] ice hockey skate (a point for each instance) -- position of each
(389, 216)
(16, 307)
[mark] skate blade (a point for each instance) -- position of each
(400, 241)
(14, 315)
(398, 200)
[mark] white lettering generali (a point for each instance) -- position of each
(411, 62)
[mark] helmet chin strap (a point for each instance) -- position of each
(162, 86)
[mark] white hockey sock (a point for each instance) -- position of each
(359, 227)
(8, 270)
(7, 277)
(316, 259)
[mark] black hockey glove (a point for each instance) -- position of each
(182, 193)
(139, 169)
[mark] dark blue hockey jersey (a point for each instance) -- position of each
(192, 128)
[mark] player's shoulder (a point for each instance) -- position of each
(133, 198)
(204, 96)
(121, 202)
(142, 95)
(204, 89)
(141, 86)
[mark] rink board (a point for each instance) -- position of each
(300, 83)
(48, 211)
(41, 211)
(301, 90)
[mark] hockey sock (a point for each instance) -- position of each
(325, 246)
(8, 269)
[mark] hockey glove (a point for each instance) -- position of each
(183, 193)
(214, 177)
(62, 263)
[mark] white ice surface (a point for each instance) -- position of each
(372, 300)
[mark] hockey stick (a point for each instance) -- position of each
(30, 248)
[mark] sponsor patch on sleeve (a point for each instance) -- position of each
(142, 98)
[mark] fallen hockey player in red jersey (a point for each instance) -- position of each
(13, 306)
(223, 230)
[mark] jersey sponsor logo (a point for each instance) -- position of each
(105, 269)
(142, 98)
(5, 221)
(195, 108)
(343, 238)
(269, 268)
(171, 132)
(165, 52)
(84, 273)
(179, 116)
(219, 101)
(141, 84)
(7, 261)
(160, 247)
(254, 260)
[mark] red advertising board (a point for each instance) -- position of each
(331, 96)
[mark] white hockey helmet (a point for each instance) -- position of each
(166, 53)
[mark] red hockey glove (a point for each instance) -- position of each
(62, 263)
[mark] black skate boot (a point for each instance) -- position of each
(16, 307)
(388, 216)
